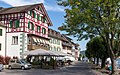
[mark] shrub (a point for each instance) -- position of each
(2, 60)
(7, 59)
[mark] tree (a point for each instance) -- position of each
(88, 18)
(96, 48)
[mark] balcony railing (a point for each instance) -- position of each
(42, 46)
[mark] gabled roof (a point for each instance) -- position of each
(25, 9)
(55, 34)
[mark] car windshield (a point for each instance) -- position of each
(22, 61)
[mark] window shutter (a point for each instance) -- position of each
(17, 23)
(34, 15)
(28, 25)
(30, 12)
(11, 24)
(32, 26)
(38, 28)
(0, 46)
(44, 31)
(44, 20)
(0, 32)
(38, 17)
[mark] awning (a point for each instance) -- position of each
(34, 39)
(39, 52)
(59, 53)
(38, 40)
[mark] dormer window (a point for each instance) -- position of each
(33, 14)
(39, 9)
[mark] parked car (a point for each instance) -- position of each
(1, 66)
(15, 63)
(118, 63)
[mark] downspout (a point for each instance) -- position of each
(5, 41)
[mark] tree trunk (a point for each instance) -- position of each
(103, 63)
(114, 67)
(94, 60)
(97, 62)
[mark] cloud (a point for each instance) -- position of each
(22, 2)
(54, 8)
(49, 7)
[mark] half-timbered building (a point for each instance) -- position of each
(27, 28)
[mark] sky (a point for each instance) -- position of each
(55, 12)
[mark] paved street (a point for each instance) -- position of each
(78, 68)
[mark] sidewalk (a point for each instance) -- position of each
(99, 71)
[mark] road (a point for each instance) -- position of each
(79, 68)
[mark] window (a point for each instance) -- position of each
(38, 28)
(14, 40)
(0, 32)
(58, 42)
(55, 49)
(58, 49)
(0, 46)
(29, 40)
(33, 14)
(50, 48)
(43, 30)
(30, 25)
(14, 23)
(43, 19)
(38, 17)
(39, 9)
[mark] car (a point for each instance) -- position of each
(118, 63)
(21, 64)
(1, 66)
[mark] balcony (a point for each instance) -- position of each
(33, 47)
(66, 44)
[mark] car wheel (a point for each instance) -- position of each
(10, 67)
(22, 67)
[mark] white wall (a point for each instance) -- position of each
(16, 50)
(55, 44)
(2, 41)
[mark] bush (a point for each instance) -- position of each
(2, 60)
(7, 59)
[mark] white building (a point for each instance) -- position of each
(2, 39)
(55, 40)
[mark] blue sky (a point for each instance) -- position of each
(55, 12)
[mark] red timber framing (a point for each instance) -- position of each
(9, 17)
(6, 18)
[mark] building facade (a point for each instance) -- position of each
(55, 40)
(27, 28)
(70, 47)
(66, 45)
(3, 39)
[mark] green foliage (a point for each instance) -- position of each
(87, 18)
(96, 48)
